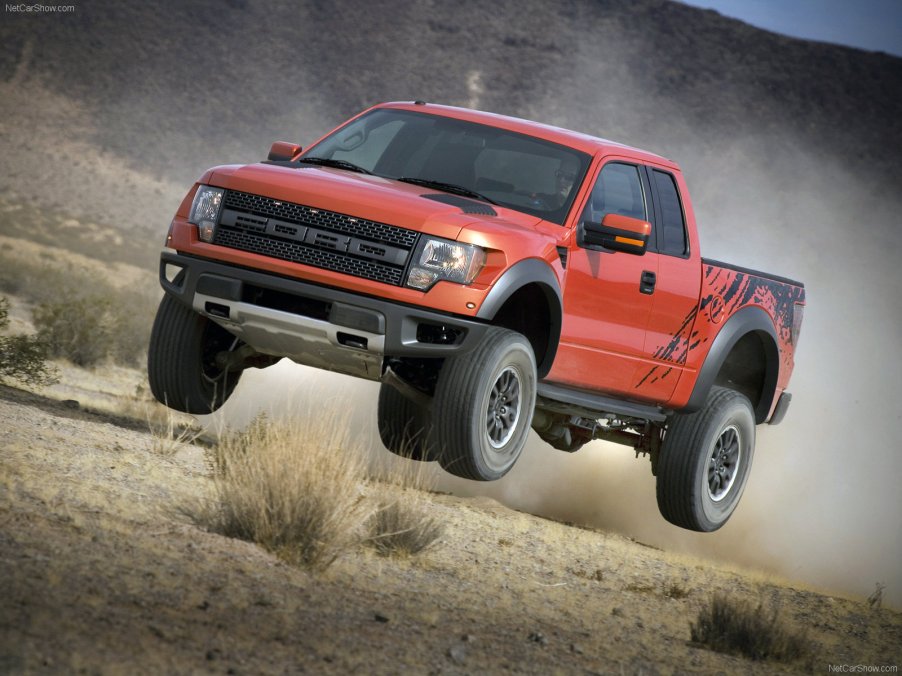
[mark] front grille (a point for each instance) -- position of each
(317, 218)
(323, 239)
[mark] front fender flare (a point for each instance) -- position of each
(526, 272)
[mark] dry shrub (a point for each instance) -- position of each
(875, 600)
(81, 317)
(736, 627)
(401, 524)
(292, 488)
(87, 330)
(23, 358)
(78, 329)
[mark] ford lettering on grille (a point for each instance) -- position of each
(323, 239)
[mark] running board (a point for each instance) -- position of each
(597, 403)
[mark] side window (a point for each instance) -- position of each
(618, 190)
(673, 226)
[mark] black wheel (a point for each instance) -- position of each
(181, 359)
(403, 425)
(483, 406)
(705, 462)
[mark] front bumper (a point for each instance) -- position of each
(311, 324)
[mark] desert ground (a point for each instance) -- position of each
(102, 571)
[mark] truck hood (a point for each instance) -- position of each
(363, 196)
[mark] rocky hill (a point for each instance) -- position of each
(173, 87)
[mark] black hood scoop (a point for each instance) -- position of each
(468, 206)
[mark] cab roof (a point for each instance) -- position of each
(592, 145)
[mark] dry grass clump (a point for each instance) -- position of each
(169, 430)
(732, 626)
(402, 524)
(294, 489)
(674, 590)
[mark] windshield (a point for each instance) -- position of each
(513, 170)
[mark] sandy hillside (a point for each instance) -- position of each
(100, 572)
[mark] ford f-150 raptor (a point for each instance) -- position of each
(494, 275)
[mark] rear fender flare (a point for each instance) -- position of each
(745, 321)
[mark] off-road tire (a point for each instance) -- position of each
(403, 425)
(479, 435)
(705, 462)
(181, 359)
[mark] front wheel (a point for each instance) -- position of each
(483, 406)
(182, 364)
(705, 462)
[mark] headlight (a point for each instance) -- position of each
(205, 211)
(436, 259)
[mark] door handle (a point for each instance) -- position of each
(647, 285)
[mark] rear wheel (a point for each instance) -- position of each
(182, 359)
(483, 406)
(403, 425)
(705, 462)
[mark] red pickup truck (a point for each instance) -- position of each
(495, 276)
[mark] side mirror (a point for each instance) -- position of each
(281, 151)
(618, 233)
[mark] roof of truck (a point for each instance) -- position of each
(589, 144)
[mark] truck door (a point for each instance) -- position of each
(676, 295)
(608, 295)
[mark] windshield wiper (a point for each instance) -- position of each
(338, 164)
(447, 187)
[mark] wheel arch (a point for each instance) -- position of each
(744, 357)
(527, 299)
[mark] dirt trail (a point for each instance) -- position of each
(101, 573)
